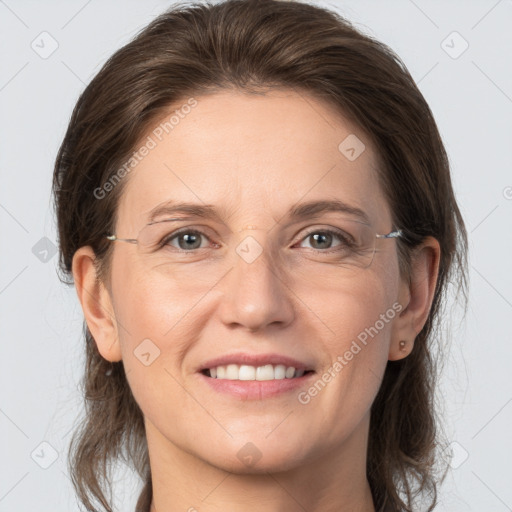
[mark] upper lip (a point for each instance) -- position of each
(254, 360)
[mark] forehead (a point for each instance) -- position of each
(253, 156)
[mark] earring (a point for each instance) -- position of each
(402, 345)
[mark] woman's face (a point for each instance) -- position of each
(255, 282)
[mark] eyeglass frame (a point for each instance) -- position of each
(396, 233)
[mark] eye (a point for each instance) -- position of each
(189, 239)
(321, 239)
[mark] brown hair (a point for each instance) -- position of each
(251, 45)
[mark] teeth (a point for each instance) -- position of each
(246, 372)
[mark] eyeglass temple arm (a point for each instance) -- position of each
(114, 238)
(394, 234)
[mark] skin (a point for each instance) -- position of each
(253, 157)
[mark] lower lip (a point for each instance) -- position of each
(256, 389)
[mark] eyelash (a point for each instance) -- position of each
(343, 237)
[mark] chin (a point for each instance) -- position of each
(257, 458)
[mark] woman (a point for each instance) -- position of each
(256, 209)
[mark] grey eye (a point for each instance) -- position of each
(187, 240)
(323, 239)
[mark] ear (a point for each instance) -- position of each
(96, 304)
(416, 297)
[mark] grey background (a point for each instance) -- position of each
(470, 94)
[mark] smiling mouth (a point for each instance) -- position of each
(258, 373)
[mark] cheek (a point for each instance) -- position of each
(151, 302)
(353, 307)
(356, 318)
(154, 333)
(366, 326)
(149, 321)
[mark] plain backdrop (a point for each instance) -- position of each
(459, 53)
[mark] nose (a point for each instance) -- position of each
(256, 292)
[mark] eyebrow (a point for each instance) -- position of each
(314, 208)
(300, 211)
